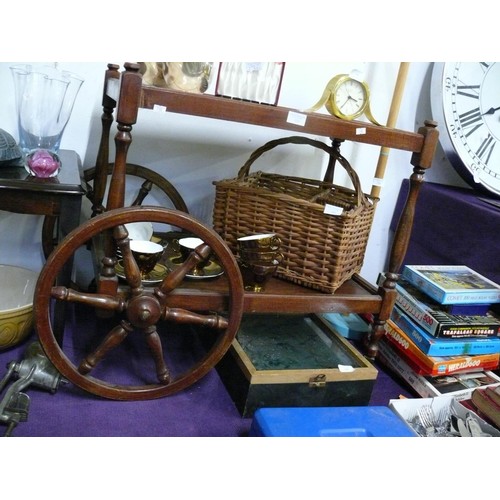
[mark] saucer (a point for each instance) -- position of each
(211, 270)
(154, 277)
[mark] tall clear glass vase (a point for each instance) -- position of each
(45, 97)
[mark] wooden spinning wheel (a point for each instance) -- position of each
(138, 310)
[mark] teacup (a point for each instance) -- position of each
(256, 276)
(264, 242)
(257, 257)
(186, 246)
(146, 254)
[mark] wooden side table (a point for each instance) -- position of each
(59, 196)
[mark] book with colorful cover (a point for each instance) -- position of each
(453, 284)
(460, 385)
(432, 316)
(424, 364)
(443, 346)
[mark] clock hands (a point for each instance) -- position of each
(490, 111)
(349, 98)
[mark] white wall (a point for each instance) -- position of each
(192, 152)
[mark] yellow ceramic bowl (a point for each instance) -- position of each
(17, 286)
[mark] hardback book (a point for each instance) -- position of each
(486, 401)
(424, 364)
(460, 385)
(434, 346)
(432, 316)
(453, 284)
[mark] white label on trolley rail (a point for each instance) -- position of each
(377, 181)
(296, 118)
(113, 88)
(361, 131)
(332, 210)
(158, 108)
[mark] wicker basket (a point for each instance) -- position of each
(321, 251)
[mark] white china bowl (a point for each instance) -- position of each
(17, 287)
(139, 230)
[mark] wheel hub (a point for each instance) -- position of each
(143, 311)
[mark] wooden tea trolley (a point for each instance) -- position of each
(143, 312)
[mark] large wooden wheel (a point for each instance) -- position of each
(141, 315)
(151, 182)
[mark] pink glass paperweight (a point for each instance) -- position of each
(43, 163)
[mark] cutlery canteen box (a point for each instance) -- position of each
(279, 360)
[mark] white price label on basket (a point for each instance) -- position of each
(332, 210)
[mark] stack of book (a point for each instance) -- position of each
(443, 337)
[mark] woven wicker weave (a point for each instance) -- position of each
(320, 251)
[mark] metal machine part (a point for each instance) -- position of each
(35, 369)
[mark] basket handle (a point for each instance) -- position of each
(296, 139)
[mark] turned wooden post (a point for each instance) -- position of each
(421, 162)
(126, 116)
(108, 105)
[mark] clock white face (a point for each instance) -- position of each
(468, 116)
(350, 97)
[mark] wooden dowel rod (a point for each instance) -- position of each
(391, 123)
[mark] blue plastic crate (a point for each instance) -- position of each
(355, 421)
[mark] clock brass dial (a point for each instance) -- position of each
(346, 98)
(349, 98)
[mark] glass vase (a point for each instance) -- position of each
(45, 97)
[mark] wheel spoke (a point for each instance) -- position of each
(182, 316)
(130, 266)
(154, 344)
(144, 190)
(99, 300)
(175, 278)
(114, 338)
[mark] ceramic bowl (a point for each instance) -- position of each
(16, 304)
(139, 230)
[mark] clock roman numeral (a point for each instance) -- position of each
(486, 148)
(461, 90)
(471, 117)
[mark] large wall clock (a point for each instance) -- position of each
(465, 101)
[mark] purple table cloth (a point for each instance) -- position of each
(453, 226)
